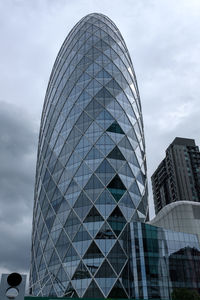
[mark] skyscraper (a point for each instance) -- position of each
(91, 169)
(178, 175)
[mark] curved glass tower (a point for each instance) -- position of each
(91, 170)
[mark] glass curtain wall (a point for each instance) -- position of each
(91, 168)
(163, 261)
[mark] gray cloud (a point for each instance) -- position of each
(164, 43)
(17, 160)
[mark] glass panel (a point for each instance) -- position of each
(81, 272)
(115, 128)
(117, 258)
(117, 221)
(117, 291)
(105, 172)
(93, 291)
(93, 216)
(105, 233)
(116, 154)
(105, 204)
(117, 188)
(104, 97)
(72, 225)
(83, 122)
(105, 277)
(82, 205)
(104, 119)
(105, 144)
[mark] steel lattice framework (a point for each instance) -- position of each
(91, 169)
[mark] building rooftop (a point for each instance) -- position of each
(183, 141)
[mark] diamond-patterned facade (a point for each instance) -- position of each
(91, 169)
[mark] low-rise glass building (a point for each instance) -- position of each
(163, 261)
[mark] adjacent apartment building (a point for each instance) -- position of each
(178, 175)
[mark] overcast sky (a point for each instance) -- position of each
(164, 42)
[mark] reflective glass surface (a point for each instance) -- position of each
(91, 169)
(163, 261)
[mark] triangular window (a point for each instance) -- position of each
(117, 291)
(105, 277)
(72, 224)
(82, 205)
(105, 203)
(116, 154)
(82, 235)
(93, 291)
(114, 127)
(81, 272)
(117, 188)
(117, 221)
(105, 233)
(117, 258)
(93, 216)
(104, 97)
(92, 252)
